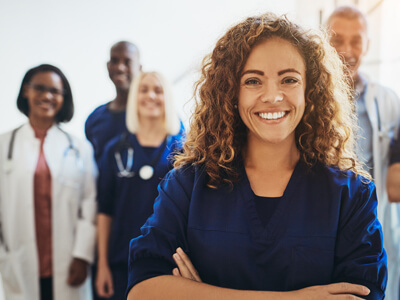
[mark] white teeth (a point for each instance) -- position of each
(351, 62)
(45, 104)
(272, 116)
(120, 76)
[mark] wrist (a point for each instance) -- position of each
(81, 260)
(102, 263)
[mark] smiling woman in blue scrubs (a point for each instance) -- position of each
(131, 167)
(268, 200)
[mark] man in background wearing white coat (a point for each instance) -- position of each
(378, 112)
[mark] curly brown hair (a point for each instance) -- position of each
(217, 134)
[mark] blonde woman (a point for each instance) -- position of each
(130, 169)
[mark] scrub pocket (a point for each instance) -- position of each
(311, 266)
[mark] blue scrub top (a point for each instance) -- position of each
(102, 125)
(323, 230)
(129, 201)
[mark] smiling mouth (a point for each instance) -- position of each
(273, 116)
(120, 77)
(45, 104)
(351, 62)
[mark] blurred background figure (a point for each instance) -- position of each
(378, 113)
(108, 120)
(47, 196)
(131, 167)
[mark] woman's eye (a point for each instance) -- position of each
(336, 42)
(252, 81)
(290, 80)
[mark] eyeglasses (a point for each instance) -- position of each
(41, 89)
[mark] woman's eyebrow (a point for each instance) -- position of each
(253, 72)
(258, 72)
(288, 71)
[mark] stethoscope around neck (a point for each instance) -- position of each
(8, 163)
(125, 172)
(146, 171)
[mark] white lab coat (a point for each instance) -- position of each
(73, 212)
(383, 107)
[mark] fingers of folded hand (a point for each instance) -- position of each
(185, 266)
(341, 290)
(175, 272)
(348, 288)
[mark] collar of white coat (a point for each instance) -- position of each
(28, 131)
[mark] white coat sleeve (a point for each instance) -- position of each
(85, 237)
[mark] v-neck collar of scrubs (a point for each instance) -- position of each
(149, 158)
(269, 232)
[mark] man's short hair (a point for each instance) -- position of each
(348, 12)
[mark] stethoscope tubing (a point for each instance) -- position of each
(11, 144)
(124, 143)
(10, 156)
(14, 133)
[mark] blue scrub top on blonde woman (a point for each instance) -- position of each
(129, 200)
(323, 230)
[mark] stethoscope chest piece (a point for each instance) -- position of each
(146, 172)
(122, 171)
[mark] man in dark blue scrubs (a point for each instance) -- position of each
(108, 120)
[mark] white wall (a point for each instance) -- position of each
(76, 35)
(390, 45)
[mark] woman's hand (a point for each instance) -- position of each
(185, 267)
(104, 282)
(341, 290)
(78, 271)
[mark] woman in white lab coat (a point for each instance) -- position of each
(47, 196)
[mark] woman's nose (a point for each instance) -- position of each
(272, 93)
(152, 94)
(47, 95)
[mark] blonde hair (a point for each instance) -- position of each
(218, 135)
(172, 122)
